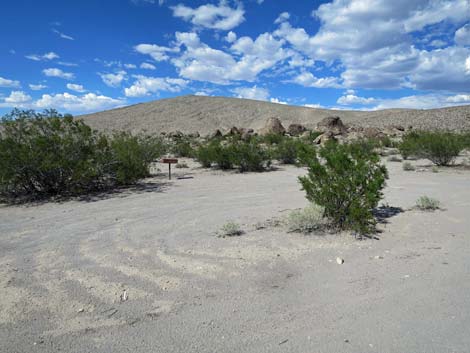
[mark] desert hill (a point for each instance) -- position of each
(206, 114)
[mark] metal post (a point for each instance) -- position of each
(169, 171)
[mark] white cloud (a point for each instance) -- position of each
(257, 93)
(387, 56)
(462, 35)
(37, 87)
(316, 106)
(276, 100)
(211, 16)
(147, 66)
(62, 35)
(75, 87)
(85, 103)
(353, 99)
(467, 65)
(231, 37)
(307, 79)
(47, 56)
(4, 82)
(89, 102)
(282, 17)
(114, 80)
(130, 66)
(64, 63)
(202, 63)
(459, 98)
(157, 52)
(54, 72)
(144, 85)
(17, 97)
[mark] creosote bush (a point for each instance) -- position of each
(48, 154)
(247, 156)
(347, 181)
(439, 147)
(291, 150)
(307, 220)
(408, 167)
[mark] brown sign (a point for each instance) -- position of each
(169, 160)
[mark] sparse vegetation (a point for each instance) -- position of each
(394, 159)
(181, 165)
(307, 220)
(230, 229)
(426, 203)
(347, 180)
(408, 167)
(48, 154)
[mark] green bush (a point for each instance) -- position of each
(46, 154)
(292, 150)
(311, 136)
(271, 139)
(250, 156)
(131, 156)
(408, 167)
(439, 147)
(183, 148)
(347, 180)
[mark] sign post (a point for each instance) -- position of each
(170, 161)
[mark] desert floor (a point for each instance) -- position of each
(66, 267)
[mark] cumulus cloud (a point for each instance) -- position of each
(276, 100)
(44, 57)
(75, 87)
(157, 52)
(89, 102)
(255, 92)
(144, 85)
(231, 37)
(307, 79)
(211, 16)
(387, 56)
(282, 17)
(37, 87)
(54, 72)
(462, 35)
(130, 66)
(4, 82)
(113, 80)
(351, 98)
(147, 66)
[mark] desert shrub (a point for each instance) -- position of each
(426, 203)
(435, 169)
(131, 156)
(250, 156)
(408, 167)
(230, 229)
(47, 154)
(439, 147)
(307, 220)
(347, 180)
(409, 145)
(181, 165)
(292, 150)
(271, 139)
(183, 148)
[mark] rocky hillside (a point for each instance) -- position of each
(206, 114)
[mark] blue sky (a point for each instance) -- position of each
(85, 56)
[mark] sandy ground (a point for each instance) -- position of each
(66, 267)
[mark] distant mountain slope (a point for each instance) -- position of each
(205, 114)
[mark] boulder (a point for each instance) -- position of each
(323, 138)
(332, 124)
(233, 131)
(216, 133)
(296, 129)
(175, 134)
(373, 132)
(194, 135)
(272, 126)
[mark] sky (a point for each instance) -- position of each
(83, 56)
